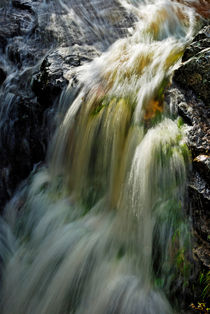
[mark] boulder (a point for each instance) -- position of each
(51, 79)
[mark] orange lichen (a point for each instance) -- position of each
(152, 109)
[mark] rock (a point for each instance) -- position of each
(199, 196)
(3, 75)
(202, 165)
(3, 42)
(51, 79)
(22, 143)
(9, 28)
(27, 33)
(22, 53)
(195, 113)
(201, 41)
(15, 22)
(194, 74)
(203, 253)
(189, 97)
(23, 4)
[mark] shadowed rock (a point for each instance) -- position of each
(49, 82)
(194, 72)
(3, 75)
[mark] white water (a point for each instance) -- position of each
(102, 228)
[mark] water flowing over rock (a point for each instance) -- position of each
(103, 225)
(30, 31)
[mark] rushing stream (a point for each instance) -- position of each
(102, 229)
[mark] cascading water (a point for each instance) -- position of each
(102, 229)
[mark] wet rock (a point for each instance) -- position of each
(199, 195)
(22, 142)
(22, 53)
(52, 77)
(189, 97)
(23, 4)
(200, 42)
(15, 22)
(193, 112)
(3, 75)
(3, 42)
(9, 28)
(194, 74)
(100, 23)
(202, 165)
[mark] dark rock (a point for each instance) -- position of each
(203, 253)
(194, 74)
(23, 4)
(199, 196)
(29, 30)
(201, 41)
(22, 53)
(52, 79)
(189, 97)
(202, 165)
(204, 33)
(22, 144)
(9, 27)
(3, 75)
(15, 22)
(196, 114)
(3, 42)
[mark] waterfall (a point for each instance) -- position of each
(101, 229)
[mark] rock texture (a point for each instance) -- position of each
(51, 79)
(189, 97)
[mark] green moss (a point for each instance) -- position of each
(205, 282)
(185, 153)
(98, 109)
(121, 253)
(200, 305)
(159, 283)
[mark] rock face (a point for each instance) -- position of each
(189, 96)
(193, 106)
(194, 73)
